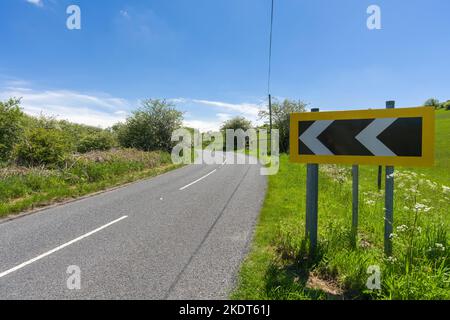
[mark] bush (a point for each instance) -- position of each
(237, 123)
(41, 146)
(432, 102)
(446, 105)
(150, 127)
(101, 141)
(10, 127)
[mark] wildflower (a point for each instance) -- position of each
(393, 236)
(446, 189)
(432, 185)
(391, 259)
(413, 190)
(370, 202)
(440, 246)
(420, 207)
(402, 228)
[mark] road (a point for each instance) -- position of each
(181, 235)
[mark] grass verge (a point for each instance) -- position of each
(23, 189)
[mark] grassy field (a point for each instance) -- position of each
(278, 266)
(23, 188)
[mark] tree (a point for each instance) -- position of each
(281, 118)
(10, 127)
(432, 103)
(150, 127)
(237, 123)
(446, 105)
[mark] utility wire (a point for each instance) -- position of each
(270, 69)
(270, 49)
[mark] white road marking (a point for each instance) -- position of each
(368, 137)
(309, 137)
(198, 180)
(20, 266)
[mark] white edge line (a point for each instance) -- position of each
(20, 266)
(198, 180)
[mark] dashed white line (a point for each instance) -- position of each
(20, 266)
(198, 180)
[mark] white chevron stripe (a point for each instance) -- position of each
(368, 137)
(309, 137)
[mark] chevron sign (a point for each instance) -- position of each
(378, 137)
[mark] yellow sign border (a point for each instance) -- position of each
(428, 136)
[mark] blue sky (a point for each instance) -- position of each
(210, 56)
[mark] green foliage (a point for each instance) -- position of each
(432, 102)
(237, 123)
(150, 127)
(281, 118)
(10, 127)
(42, 146)
(23, 188)
(101, 141)
(446, 105)
(74, 132)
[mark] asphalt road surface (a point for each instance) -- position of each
(181, 235)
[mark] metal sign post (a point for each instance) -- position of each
(389, 201)
(312, 201)
(355, 206)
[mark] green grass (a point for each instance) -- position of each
(22, 189)
(278, 266)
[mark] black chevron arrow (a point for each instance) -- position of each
(340, 137)
(404, 137)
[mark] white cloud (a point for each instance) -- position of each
(224, 116)
(124, 13)
(208, 125)
(38, 3)
(203, 126)
(96, 110)
(249, 109)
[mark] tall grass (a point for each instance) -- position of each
(26, 188)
